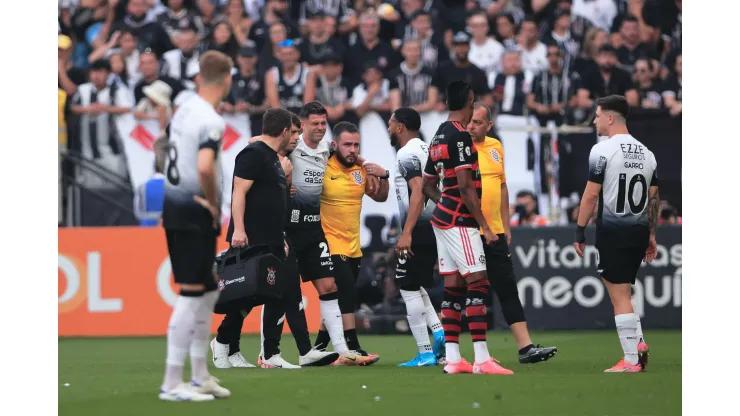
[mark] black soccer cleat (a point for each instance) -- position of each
(537, 354)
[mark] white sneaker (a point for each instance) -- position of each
(237, 360)
(276, 361)
(211, 387)
(183, 393)
(316, 358)
(220, 354)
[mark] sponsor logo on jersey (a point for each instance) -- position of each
(311, 218)
(357, 176)
(295, 216)
(600, 165)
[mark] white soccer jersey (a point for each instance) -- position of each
(625, 168)
(195, 126)
(411, 160)
(309, 166)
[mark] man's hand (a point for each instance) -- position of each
(373, 183)
(440, 106)
(508, 235)
(293, 191)
(556, 108)
(580, 247)
(227, 107)
(373, 169)
(239, 239)
(580, 243)
(676, 110)
(403, 248)
(489, 235)
(287, 166)
(652, 250)
(242, 107)
(214, 210)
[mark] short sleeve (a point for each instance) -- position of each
(392, 82)
(358, 96)
(654, 179)
(430, 171)
(596, 166)
(249, 164)
(409, 167)
(537, 88)
(461, 151)
(210, 137)
(503, 165)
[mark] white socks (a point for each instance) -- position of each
(332, 317)
(179, 337)
(201, 335)
(416, 310)
(640, 337)
(431, 315)
(627, 330)
(452, 352)
(481, 352)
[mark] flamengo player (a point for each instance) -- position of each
(457, 219)
(623, 179)
(191, 219)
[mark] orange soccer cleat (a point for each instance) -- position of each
(490, 366)
(461, 367)
(624, 367)
(642, 354)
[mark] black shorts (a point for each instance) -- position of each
(314, 259)
(499, 266)
(419, 269)
(346, 270)
(620, 264)
(192, 255)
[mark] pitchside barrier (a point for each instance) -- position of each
(117, 281)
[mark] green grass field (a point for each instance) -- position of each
(121, 376)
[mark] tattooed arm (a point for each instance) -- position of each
(653, 208)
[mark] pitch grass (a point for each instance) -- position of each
(121, 376)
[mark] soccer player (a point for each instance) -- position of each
(623, 180)
(345, 184)
(416, 251)
(191, 219)
(457, 219)
(306, 233)
(495, 207)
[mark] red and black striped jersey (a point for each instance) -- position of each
(452, 150)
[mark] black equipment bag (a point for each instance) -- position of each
(246, 273)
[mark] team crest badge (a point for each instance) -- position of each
(343, 257)
(496, 157)
(221, 284)
(357, 176)
(271, 275)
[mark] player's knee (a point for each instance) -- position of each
(454, 280)
(476, 276)
(326, 285)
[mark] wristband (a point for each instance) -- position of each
(580, 234)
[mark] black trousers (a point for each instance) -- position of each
(501, 275)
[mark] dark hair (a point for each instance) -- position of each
(343, 127)
(616, 103)
(477, 12)
(128, 31)
(630, 18)
(275, 121)
(552, 44)
(522, 194)
(314, 107)
(419, 13)
(529, 18)
(409, 118)
(647, 61)
(508, 17)
(295, 120)
(457, 95)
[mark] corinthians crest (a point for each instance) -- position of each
(271, 275)
(357, 176)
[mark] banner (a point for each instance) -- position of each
(560, 290)
(118, 281)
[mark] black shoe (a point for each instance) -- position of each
(537, 354)
(362, 352)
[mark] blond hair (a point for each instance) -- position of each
(214, 67)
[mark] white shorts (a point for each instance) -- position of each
(460, 249)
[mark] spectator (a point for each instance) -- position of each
(646, 85)
(631, 48)
(409, 9)
(143, 23)
(150, 72)
(551, 90)
(275, 11)
(269, 54)
(413, 81)
(461, 69)
(599, 13)
(668, 215)
(485, 52)
(370, 48)
(178, 63)
(586, 62)
(373, 93)
(672, 90)
(247, 93)
(285, 84)
(510, 87)
(607, 80)
(433, 49)
(178, 16)
(221, 39)
(87, 23)
(156, 104)
(127, 49)
(239, 21)
(118, 70)
(533, 52)
(526, 211)
(69, 77)
(392, 24)
(319, 41)
(332, 89)
(339, 10)
(506, 30)
(561, 35)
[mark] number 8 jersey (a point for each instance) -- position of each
(625, 168)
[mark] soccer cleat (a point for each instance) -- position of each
(183, 393)
(438, 345)
(537, 354)
(490, 366)
(237, 360)
(426, 359)
(316, 358)
(364, 353)
(461, 367)
(276, 361)
(220, 354)
(642, 354)
(211, 387)
(624, 367)
(354, 358)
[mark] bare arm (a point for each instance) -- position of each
(430, 188)
(207, 175)
(416, 204)
(632, 98)
(588, 203)
(206, 9)
(310, 93)
(67, 85)
(538, 5)
(505, 215)
(271, 90)
(584, 98)
(396, 99)
(239, 201)
(470, 196)
(653, 208)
